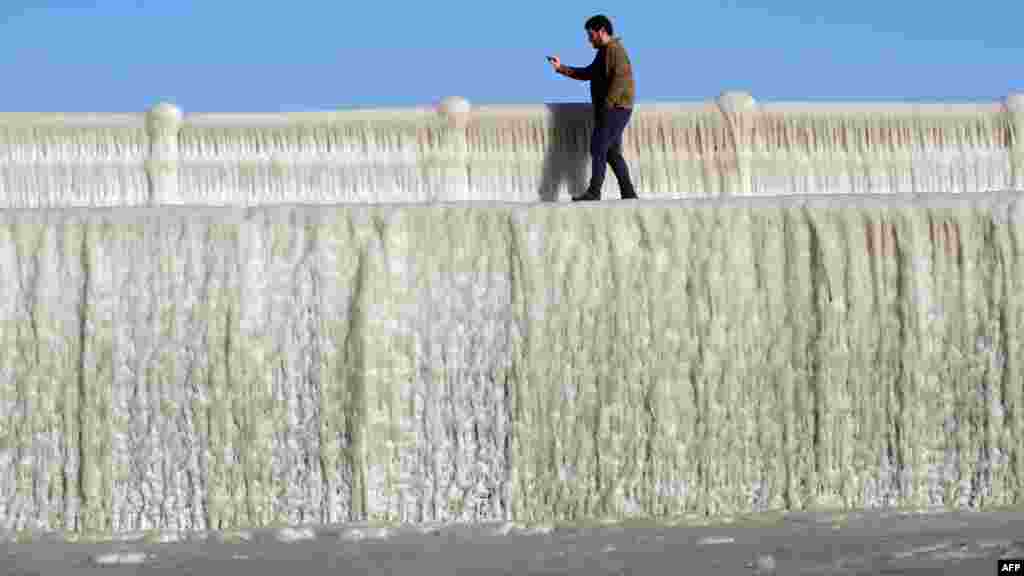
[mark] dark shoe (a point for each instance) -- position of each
(588, 197)
(630, 196)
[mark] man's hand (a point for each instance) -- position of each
(555, 62)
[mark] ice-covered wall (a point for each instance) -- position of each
(194, 367)
(731, 146)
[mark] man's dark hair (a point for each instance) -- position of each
(596, 23)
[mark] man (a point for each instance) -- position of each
(611, 92)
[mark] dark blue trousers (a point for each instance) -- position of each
(606, 148)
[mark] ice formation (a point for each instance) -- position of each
(201, 367)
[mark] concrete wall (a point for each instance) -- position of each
(731, 146)
(191, 368)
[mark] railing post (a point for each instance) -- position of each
(1014, 106)
(456, 113)
(162, 124)
(739, 109)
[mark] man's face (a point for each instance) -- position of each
(596, 37)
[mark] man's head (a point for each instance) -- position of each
(599, 30)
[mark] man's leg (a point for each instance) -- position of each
(599, 141)
(608, 127)
(618, 163)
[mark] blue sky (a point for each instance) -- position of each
(261, 56)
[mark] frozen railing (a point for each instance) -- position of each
(455, 152)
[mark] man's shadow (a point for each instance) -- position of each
(566, 161)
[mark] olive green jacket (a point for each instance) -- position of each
(610, 76)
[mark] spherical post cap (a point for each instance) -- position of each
(166, 111)
(735, 101)
(454, 105)
(455, 110)
(1015, 102)
(163, 115)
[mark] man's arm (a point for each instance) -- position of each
(572, 72)
(577, 73)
